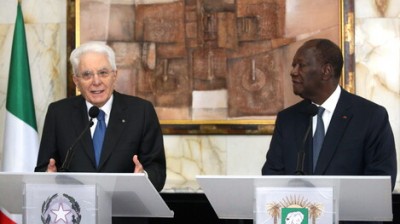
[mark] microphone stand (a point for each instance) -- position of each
(302, 152)
(70, 152)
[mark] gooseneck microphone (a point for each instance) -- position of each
(311, 110)
(93, 113)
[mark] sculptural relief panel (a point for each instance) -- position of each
(180, 49)
(255, 85)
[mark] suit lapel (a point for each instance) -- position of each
(115, 127)
(340, 119)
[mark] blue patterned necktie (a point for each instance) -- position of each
(98, 136)
(318, 138)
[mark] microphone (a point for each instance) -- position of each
(93, 113)
(311, 110)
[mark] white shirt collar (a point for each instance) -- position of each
(331, 102)
(329, 105)
(106, 107)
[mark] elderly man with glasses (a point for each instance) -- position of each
(131, 140)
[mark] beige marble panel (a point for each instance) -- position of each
(44, 11)
(377, 36)
(188, 156)
(6, 32)
(377, 46)
(246, 154)
(374, 8)
(8, 11)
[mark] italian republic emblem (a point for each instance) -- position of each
(61, 208)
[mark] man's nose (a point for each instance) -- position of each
(96, 78)
(294, 71)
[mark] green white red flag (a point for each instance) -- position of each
(21, 141)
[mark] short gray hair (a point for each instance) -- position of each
(92, 46)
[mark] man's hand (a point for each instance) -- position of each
(52, 166)
(138, 165)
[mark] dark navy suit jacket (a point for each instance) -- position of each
(133, 128)
(358, 141)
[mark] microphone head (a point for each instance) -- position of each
(94, 112)
(311, 109)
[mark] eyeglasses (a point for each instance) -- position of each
(103, 73)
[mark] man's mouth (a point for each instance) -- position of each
(97, 91)
(296, 81)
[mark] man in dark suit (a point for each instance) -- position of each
(133, 141)
(358, 138)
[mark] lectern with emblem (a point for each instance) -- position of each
(74, 198)
(299, 199)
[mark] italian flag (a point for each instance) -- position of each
(21, 141)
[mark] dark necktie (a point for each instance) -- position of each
(98, 136)
(319, 135)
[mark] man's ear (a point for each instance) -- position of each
(75, 80)
(327, 71)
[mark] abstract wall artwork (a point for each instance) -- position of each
(220, 61)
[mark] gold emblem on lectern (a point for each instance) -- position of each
(314, 210)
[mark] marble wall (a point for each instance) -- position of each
(377, 52)
(377, 78)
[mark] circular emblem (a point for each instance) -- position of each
(61, 209)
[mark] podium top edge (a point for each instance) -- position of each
(71, 174)
(324, 177)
